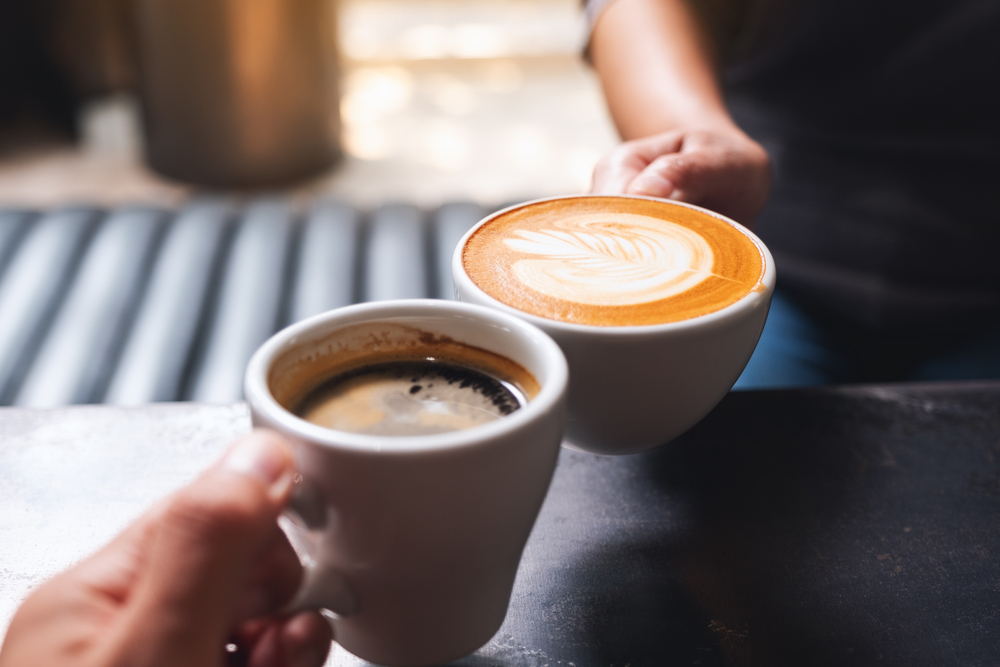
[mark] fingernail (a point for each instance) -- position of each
(651, 185)
(260, 456)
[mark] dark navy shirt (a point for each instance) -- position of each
(882, 119)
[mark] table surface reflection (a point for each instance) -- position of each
(838, 526)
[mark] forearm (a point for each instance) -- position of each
(658, 68)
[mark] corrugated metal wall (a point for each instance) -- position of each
(137, 305)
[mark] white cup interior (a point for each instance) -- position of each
(481, 327)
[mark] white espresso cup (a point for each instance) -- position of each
(636, 387)
(413, 541)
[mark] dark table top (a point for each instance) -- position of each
(839, 526)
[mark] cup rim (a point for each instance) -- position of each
(552, 391)
(750, 300)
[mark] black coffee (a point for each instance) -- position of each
(400, 398)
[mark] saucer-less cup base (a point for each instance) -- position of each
(416, 540)
(639, 389)
(636, 387)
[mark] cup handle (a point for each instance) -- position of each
(323, 586)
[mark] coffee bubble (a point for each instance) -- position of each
(416, 397)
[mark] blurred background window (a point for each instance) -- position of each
(483, 100)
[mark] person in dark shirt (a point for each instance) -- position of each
(861, 140)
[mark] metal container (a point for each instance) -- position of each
(237, 93)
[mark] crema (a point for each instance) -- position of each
(417, 397)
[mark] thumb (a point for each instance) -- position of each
(204, 547)
(616, 171)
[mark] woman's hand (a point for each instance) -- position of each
(204, 569)
(660, 71)
(721, 170)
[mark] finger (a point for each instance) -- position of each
(650, 148)
(728, 174)
(616, 170)
(207, 543)
(654, 180)
(702, 175)
(71, 608)
(271, 583)
(300, 641)
(306, 639)
(111, 572)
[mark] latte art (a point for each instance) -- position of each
(612, 259)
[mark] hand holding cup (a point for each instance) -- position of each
(657, 305)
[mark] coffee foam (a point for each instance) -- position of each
(408, 398)
(298, 372)
(612, 261)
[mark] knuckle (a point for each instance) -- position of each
(697, 140)
(683, 171)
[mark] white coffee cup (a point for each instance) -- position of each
(414, 541)
(636, 387)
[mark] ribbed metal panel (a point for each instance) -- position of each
(162, 338)
(139, 305)
(327, 261)
(395, 255)
(451, 222)
(32, 289)
(82, 343)
(250, 296)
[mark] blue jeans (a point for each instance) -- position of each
(796, 350)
